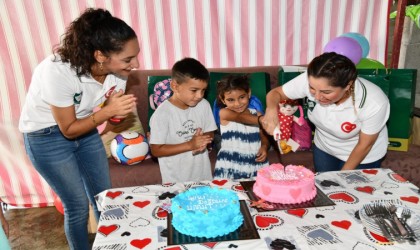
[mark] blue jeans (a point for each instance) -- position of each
(76, 170)
(325, 162)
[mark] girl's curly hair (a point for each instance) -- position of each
(95, 29)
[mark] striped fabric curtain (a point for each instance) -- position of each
(219, 33)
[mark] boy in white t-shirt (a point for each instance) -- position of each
(183, 126)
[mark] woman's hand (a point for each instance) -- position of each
(270, 120)
(120, 105)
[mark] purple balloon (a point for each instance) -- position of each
(345, 46)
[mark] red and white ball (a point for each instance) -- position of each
(129, 148)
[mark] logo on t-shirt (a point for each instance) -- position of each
(347, 127)
(188, 130)
(77, 98)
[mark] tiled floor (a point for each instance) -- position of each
(37, 228)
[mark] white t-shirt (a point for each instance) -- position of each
(55, 83)
(338, 127)
(172, 125)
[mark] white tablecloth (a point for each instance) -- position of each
(132, 218)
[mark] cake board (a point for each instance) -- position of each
(320, 200)
(247, 231)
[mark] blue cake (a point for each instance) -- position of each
(206, 212)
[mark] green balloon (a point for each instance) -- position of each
(366, 63)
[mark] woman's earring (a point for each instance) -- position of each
(101, 66)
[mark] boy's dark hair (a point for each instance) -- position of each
(338, 69)
(189, 68)
(229, 83)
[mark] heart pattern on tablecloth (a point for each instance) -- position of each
(299, 212)
(370, 171)
(345, 224)
(343, 197)
(113, 195)
(396, 177)
(267, 221)
(210, 245)
(366, 189)
(238, 188)
(139, 222)
(219, 182)
(141, 189)
(159, 213)
(140, 243)
(107, 230)
(141, 204)
(412, 199)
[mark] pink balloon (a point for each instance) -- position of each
(345, 46)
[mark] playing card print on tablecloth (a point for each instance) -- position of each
(354, 177)
(319, 235)
(115, 212)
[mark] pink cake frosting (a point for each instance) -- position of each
(287, 185)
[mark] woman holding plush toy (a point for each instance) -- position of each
(88, 69)
(349, 113)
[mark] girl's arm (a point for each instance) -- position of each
(227, 115)
(360, 151)
(265, 144)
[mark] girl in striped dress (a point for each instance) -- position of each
(244, 145)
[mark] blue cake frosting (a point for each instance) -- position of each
(206, 212)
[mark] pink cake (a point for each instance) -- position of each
(287, 185)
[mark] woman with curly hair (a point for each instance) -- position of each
(88, 69)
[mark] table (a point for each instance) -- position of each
(132, 218)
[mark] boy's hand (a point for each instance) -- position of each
(261, 155)
(199, 141)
